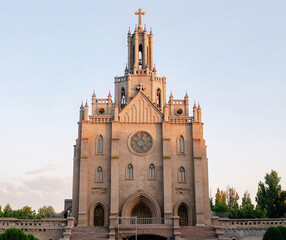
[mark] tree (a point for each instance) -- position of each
(246, 200)
(46, 211)
(7, 211)
(1, 211)
(272, 233)
(16, 234)
(232, 197)
(220, 197)
(270, 196)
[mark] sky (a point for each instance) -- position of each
(228, 55)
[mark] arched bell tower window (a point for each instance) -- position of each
(99, 175)
(182, 175)
(158, 98)
(181, 145)
(100, 145)
(129, 171)
(122, 96)
(140, 56)
(152, 171)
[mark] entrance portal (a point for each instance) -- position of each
(147, 237)
(183, 214)
(99, 216)
(141, 210)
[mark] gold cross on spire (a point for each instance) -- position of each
(140, 13)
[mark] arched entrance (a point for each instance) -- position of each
(183, 214)
(99, 216)
(141, 210)
(147, 237)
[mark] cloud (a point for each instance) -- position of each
(37, 192)
(45, 168)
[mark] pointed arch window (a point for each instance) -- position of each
(130, 171)
(140, 55)
(152, 171)
(181, 146)
(122, 96)
(100, 145)
(182, 174)
(158, 98)
(99, 175)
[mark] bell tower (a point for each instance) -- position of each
(140, 47)
(140, 73)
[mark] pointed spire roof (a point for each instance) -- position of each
(93, 94)
(151, 33)
(154, 69)
(199, 106)
(171, 95)
(81, 106)
(195, 106)
(129, 32)
(86, 105)
(109, 94)
(186, 95)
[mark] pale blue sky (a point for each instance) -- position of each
(228, 55)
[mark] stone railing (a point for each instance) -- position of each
(44, 229)
(244, 228)
(180, 119)
(100, 119)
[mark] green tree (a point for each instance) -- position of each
(272, 233)
(270, 196)
(220, 197)
(7, 211)
(246, 200)
(282, 230)
(13, 234)
(46, 211)
(1, 211)
(232, 198)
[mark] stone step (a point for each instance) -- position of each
(89, 233)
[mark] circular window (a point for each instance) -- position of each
(179, 111)
(141, 142)
(101, 111)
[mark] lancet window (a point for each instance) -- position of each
(181, 145)
(100, 145)
(123, 96)
(182, 174)
(152, 171)
(158, 98)
(130, 171)
(99, 175)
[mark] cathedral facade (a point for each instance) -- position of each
(137, 154)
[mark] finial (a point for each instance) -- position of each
(199, 107)
(81, 106)
(171, 95)
(186, 95)
(129, 33)
(151, 31)
(109, 94)
(145, 28)
(195, 106)
(154, 69)
(93, 95)
(140, 13)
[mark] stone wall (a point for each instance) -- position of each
(245, 229)
(43, 229)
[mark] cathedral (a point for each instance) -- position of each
(140, 158)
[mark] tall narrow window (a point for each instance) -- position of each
(152, 171)
(159, 98)
(130, 171)
(182, 176)
(181, 145)
(100, 144)
(140, 57)
(122, 96)
(183, 214)
(99, 175)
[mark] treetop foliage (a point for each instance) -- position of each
(16, 234)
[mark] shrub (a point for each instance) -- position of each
(16, 234)
(282, 230)
(272, 233)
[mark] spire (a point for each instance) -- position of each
(154, 69)
(199, 107)
(195, 106)
(126, 69)
(151, 33)
(93, 94)
(140, 13)
(81, 106)
(86, 105)
(129, 33)
(109, 94)
(186, 95)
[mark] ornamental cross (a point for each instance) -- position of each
(140, 13)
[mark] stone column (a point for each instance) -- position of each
(167, 176)
(114, 174)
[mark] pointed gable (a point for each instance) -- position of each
(140, 109)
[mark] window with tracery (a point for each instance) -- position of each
(182, 175)
(100, 144)
(181, 145)
(99, 175)
(130, 171)
(152, 171)
(158, 98)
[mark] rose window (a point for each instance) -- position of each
(141, 142)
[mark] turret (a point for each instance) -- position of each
(86, 111)
(81, 112)
(186, 102)
(93, 103)
(195, 112)
(199, 113)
